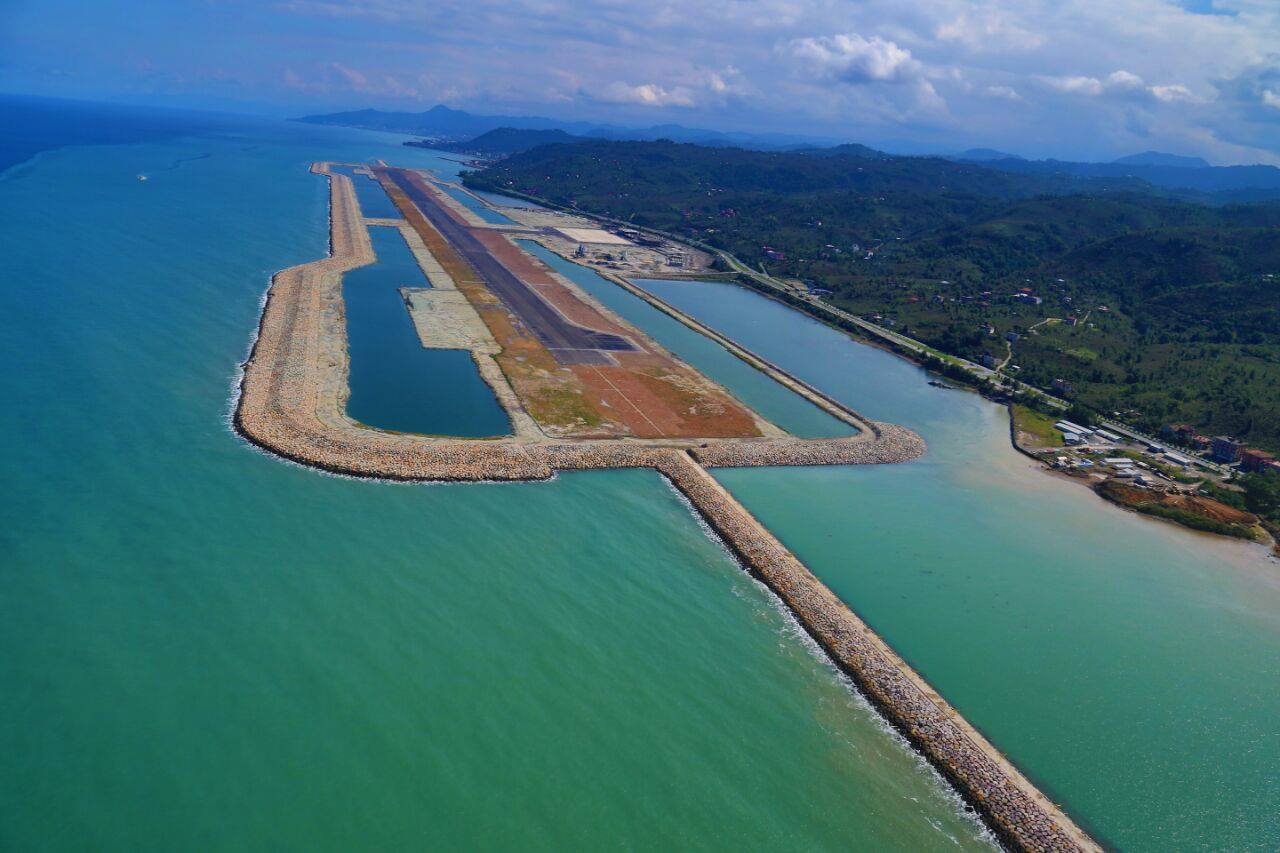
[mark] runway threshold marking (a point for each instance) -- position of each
(628, 400)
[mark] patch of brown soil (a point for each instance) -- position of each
(1136, 498)
(1210, 508)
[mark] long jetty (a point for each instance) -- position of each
(292, 403)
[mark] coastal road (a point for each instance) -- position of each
(568, 343)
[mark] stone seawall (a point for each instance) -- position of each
(1019, 813)
(294, 388)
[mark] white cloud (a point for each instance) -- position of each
(850, 58)
(988, 30)
(337, 78)
(1175, 93)
(1271, 99)
(1122, 84)
(1090, 86)
(1005, 93)
(646, 95)
(1124, 81)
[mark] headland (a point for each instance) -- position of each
(584, 389)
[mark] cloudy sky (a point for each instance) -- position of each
(1083, 79)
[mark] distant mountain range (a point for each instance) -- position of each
(1157, 158)
(443, 124)
(1146, 158)
(503, 141)
(981, 155)
(1170, 171)
(461, 131)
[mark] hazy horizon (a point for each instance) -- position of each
(1079, 80)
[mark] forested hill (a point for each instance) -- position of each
(1152, 306)
(1229, 182)
(503, 141)
(610, 167)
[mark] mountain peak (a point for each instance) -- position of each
(1159, 158)
(984, 154)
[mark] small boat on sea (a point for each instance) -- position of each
(142, 177)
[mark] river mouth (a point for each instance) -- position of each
(395, 383)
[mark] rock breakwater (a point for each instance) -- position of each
(1020, 814)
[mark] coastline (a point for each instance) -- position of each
(290, 403)
(1266, 539)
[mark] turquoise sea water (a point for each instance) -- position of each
(206, 648)
(1132, 668)
(396, 384)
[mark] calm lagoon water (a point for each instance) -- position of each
(1132, 668)
(395, 383)
(486, 213)
(374, 201)
(499, 200)
(204, 647)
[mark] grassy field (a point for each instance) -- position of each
(1035, 429)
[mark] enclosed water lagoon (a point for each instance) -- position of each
(395, 383)
(374, 201)
(775, 402)
(480, 209)
(499, 200)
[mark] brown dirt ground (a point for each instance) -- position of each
(1198, 504)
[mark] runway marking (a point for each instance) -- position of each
(628, 400)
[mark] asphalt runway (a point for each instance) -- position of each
(567, 342)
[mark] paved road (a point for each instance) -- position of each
(567, 342)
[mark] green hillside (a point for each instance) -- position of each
(1176, 304)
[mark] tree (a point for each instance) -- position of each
(1262, 494)
(1081, 415)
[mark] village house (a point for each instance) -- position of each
(1226, 449)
